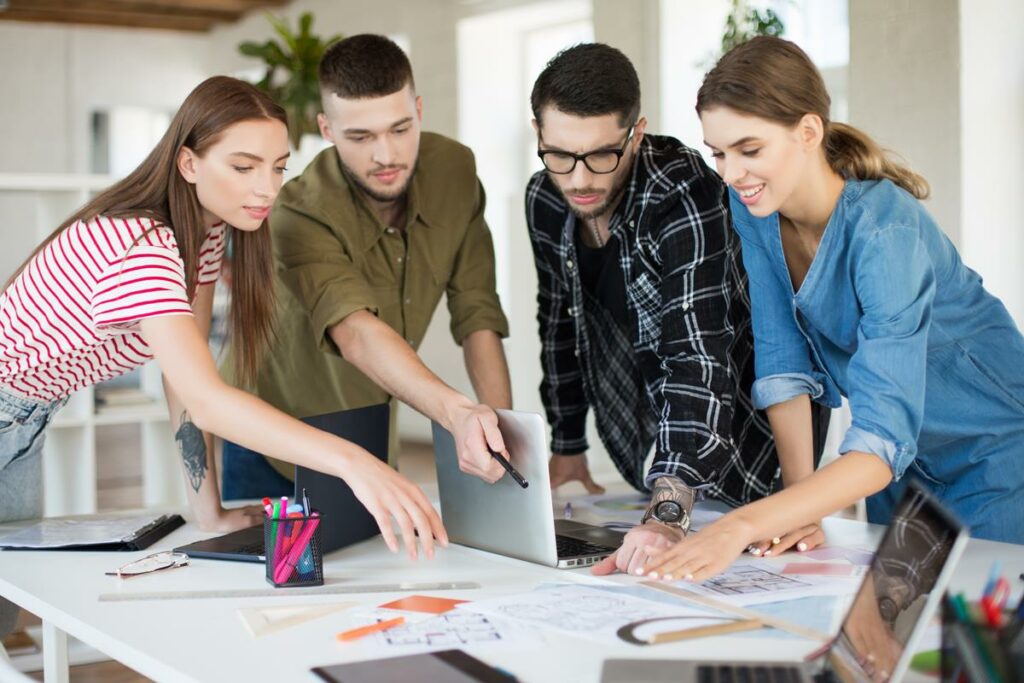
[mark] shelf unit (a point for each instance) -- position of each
(43, 201)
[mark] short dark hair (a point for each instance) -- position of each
(365, 65)
(590, 79)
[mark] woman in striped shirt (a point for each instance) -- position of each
(129, 277)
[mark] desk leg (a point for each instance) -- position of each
(55, 654)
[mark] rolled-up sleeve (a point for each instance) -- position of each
(782, 358)
(471, 291)
(896, 287)
(319, 272)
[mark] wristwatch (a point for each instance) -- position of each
(671, 504)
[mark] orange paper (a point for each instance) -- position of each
(424, 603)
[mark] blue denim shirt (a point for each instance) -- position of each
(890, 317)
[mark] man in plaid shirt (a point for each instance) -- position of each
(643, 310)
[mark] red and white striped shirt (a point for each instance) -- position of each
(71, 318)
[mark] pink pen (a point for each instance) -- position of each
(285, 569)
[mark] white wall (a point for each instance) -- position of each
(64, 72)
(905, 90)
(992, 146)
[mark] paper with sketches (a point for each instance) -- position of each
(820, 614)
(747, 584)
(262, 621)
(454, 629)
(580, 610)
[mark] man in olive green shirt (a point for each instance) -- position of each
(366, 241)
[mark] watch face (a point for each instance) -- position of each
(669, 511)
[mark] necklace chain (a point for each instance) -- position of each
(595, 232)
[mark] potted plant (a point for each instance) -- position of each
(291, 76)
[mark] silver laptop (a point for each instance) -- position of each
(507, 519)
(906, 580)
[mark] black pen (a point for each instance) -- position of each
(508, 468)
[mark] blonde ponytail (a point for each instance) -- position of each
(853, 154)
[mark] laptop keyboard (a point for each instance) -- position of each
(573, 547)
(739, 673)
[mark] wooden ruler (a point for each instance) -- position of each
(743, 612)
(289, 592)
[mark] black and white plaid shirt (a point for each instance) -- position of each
(679, 377)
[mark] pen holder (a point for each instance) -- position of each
(292, 547)
(975, 651)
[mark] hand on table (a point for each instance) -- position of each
(233, 519)
(475, 428)
(632, 555)
(565, 468)
(700, 555)
(804, 538)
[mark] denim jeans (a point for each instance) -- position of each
(246, 474)
(22, 430)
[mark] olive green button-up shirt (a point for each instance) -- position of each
(334, 257)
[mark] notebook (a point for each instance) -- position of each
(93, 532)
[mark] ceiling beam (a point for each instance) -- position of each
(180, 15)
(125, 19)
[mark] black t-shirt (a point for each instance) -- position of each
(601, 277)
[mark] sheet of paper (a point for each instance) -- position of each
(580, 610)
(820, 614)
(860, 557)
(822, 569)
(423, 603)
(262, 621)
(455, 629)
(91, 530)
(748, 584)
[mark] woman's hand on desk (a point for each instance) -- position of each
(233, 519)
(388, 495)
(804, 538)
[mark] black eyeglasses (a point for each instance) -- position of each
(599, 161)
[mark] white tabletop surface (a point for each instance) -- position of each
(205, 640)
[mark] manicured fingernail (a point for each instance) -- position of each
(755, 551)
(667, 577)
(801, 547)
(767, 553)
(688, 577)
(639, 572)
(653, 575)
(776, 540)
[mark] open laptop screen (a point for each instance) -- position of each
(912, 564)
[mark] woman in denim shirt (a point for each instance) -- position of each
(855, 292)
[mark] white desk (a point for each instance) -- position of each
(204, 640)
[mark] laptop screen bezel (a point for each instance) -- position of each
(836, 650)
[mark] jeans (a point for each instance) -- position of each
(22, 431)
(247, 474)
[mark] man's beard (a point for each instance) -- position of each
(592, 212)
(375, 195)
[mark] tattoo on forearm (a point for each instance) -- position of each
(192, 446)
(671, 488)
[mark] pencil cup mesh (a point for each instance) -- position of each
(293, 551)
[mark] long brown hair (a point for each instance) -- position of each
(773, 79)
(157, 190)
